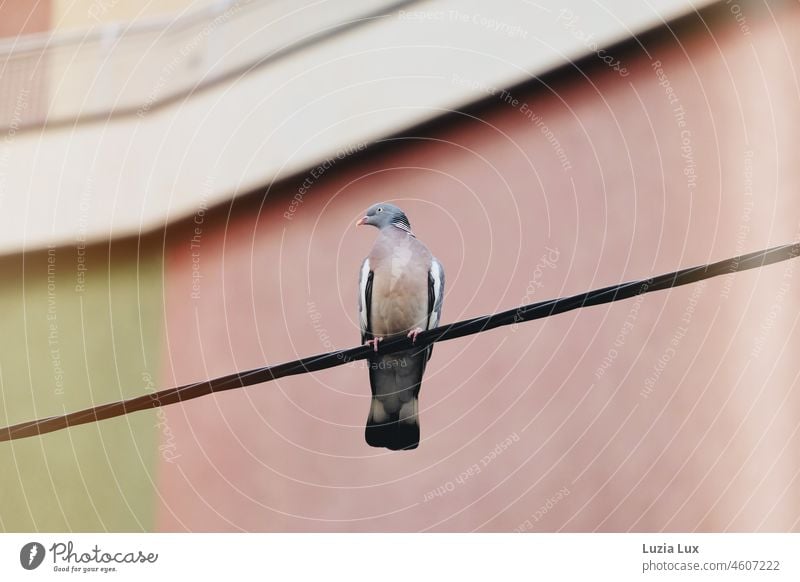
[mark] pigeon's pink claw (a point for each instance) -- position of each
(414, 333)
(374, 343)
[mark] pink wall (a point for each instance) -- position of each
(23, 93)
(24, 17)
(712, 445)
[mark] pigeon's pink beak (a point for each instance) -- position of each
(361, 221)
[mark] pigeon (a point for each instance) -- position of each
(401, 287)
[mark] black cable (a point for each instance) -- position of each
(401, 342)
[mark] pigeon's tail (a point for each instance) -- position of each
(397, 430)
(394, 412)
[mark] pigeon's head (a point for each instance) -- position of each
(383, 215)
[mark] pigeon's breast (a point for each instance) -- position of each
(400, 288)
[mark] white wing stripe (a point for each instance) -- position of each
(436, 275)
(363, 290)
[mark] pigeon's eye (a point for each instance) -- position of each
(380, 209)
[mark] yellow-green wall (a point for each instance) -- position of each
(79, 330)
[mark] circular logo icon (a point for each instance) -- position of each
(31, 555)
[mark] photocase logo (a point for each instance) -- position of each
(31, 555)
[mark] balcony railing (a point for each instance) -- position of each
(132, 69)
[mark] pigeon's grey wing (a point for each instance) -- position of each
(365, 300)
(435, 296)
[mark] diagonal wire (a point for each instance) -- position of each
(401, 342)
